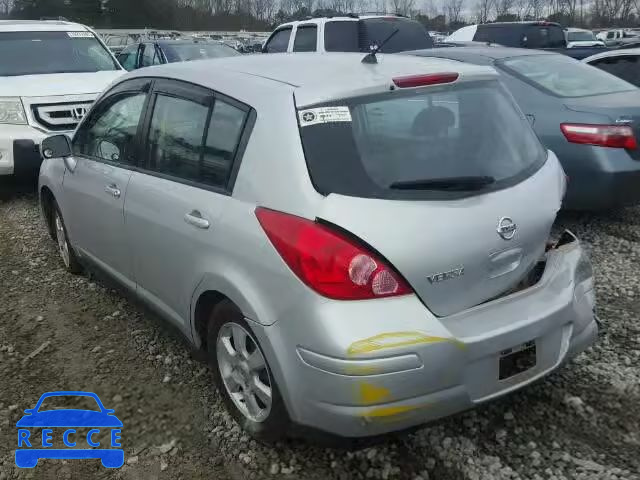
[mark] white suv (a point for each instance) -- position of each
(351, 33)
(50, 74)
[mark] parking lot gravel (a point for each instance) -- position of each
(64, 332)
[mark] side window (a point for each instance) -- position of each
(148, 55)
(341, 37)
(223, 137)
(110, 133)
(610, 35)
(279, 41)
(306, 39)
(175, 137)
(482, 34)
(556, 38)
(178, 145)
(128, 58)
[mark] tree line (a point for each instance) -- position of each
(257, 15)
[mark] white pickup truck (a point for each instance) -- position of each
(613, 38)
(50, 74)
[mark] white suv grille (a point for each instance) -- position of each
(60, 116)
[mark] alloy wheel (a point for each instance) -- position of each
(244, 372)
(63, 244)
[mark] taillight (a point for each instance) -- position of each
(615, 136)
(328, 261)
(412, 81)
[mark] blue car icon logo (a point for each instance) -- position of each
(97, 427)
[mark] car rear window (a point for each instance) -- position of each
(363, 145)
(411, 35)
(544, 36)
(508, 36)
(358, 36)
(563, 76)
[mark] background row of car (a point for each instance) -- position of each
(557, 93)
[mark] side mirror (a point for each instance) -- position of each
(29, 411)
(56, 146)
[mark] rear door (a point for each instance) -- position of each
(106, 150)
(174, 202)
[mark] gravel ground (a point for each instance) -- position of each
(60, 332)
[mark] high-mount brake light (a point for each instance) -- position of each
(614, 136)
(424, 80)
(328, 261)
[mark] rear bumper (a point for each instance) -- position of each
(603, 178)
(19, 149)
(380, 366)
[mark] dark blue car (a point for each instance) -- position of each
(68, 418)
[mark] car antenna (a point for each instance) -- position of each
(375, 48)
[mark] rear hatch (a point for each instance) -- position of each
(621, 108)
(447, 182)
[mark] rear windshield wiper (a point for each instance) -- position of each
(444, 183)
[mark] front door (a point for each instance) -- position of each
(105, 151)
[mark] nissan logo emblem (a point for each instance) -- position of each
(506, 228)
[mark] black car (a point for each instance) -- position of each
(158, 52)
(537, 35)
(514, 34)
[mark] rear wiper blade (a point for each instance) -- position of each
(445, 183)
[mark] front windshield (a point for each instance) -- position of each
(563, 76)
(196, 51)
(581, 36)
(35, 53)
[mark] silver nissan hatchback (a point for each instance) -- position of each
(359, 247)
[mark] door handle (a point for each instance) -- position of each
(113, 190)
(196, 219)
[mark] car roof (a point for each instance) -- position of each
(40, 26)
(612, 53)
(488, 51)
(526, 22)
(338, 18)
(314, 77)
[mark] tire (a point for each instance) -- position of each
(226, 331)
(68, 255)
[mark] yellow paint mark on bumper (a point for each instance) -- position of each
(389, 340)
(392, 414)
(370, 394)
(363, 370)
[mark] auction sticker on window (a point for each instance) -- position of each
(80, 34)
(314, 116)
